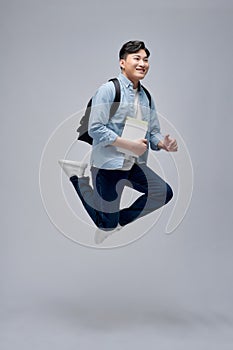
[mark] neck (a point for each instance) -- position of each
(135, 82)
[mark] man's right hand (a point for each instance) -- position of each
(138, 147)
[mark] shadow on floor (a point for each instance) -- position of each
(105, 317)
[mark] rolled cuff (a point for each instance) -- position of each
(103, 135)
(155, 139)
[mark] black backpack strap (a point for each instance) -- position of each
(117, 98)
(83, 127)
(147, 94)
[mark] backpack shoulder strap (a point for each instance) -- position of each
(117, 98)
(83, 127)
(147, 94)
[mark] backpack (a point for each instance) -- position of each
(83, 127)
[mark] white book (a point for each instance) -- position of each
(134, 129)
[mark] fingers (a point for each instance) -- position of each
(171, 144)
(167, 138)
(172, 147)
(139, 146)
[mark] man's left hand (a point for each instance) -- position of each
(168, 144)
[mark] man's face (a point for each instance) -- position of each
(135, 66)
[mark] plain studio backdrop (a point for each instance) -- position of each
(163, 291)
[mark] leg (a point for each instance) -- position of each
(156, 193)
(108, 189)
(85, 193)
(101, 203)
(75, 172)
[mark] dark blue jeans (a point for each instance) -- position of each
(102, 202)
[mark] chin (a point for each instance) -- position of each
(141, 76)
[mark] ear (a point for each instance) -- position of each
(122, 63)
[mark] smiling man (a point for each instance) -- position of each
(117, 161)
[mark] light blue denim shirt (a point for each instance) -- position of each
(104, 131)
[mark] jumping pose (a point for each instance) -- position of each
(117, 161)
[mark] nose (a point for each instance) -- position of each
(141, 63)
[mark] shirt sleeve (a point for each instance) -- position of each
(155, 133)
(99, 116)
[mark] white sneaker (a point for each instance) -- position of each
(101, 235)
(72, 168)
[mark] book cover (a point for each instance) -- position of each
(134, 129)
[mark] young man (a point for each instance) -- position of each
(117, 161)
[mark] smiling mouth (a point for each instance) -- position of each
(140, 70)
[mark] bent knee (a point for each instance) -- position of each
(169, 194)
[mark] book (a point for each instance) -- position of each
(134, 129)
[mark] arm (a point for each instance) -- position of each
(157, 140)
(155, 135)
(99, 116)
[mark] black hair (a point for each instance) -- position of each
(132, 47)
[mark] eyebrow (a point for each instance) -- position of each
(136, 55)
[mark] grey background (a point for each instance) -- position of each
(169, 292)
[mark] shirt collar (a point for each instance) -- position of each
(127, 82)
